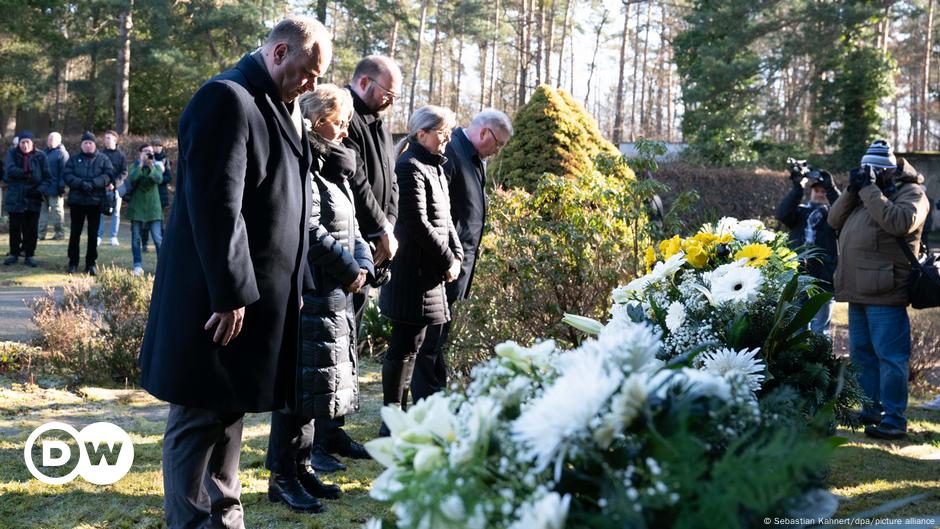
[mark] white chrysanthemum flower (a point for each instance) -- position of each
(625, 406)
(693, 381)
(728, 362)
(741, 286)
(566, 408)
(726, 225)
(747, 230)
(766, 236)
(630, 345)
(675, 316)
(549, 512)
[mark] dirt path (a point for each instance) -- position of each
(15, 323)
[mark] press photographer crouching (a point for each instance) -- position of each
(808, 228)
(884, 207)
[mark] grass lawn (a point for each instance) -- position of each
(52, 257)
(137, 499)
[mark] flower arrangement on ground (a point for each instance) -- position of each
(605, 435)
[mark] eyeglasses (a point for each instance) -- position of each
(388, 93)
(499, 144)
(339, 123)
(443, 133)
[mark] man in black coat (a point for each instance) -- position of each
(223, 334)
(465, 168)
(376, 83)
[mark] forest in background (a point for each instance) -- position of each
(731, 77)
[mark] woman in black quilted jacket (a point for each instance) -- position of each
(327, 383)
(429, 252)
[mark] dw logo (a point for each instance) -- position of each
(105, 453)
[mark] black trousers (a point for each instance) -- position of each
(399, 362)
(201, 451)
(430, 371)
(78, 215)
(289, 443)
(24, 232)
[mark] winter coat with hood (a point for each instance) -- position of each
(27, 178)
(56, 159)
(329, 382)
(87, 175)
(872, 266)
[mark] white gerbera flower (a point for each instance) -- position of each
(740, 286)
(566, 408)
(549, 512)
(723, 270)
(675, 316)
(728, 362)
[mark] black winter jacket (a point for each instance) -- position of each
(797, 217)
(87, 175)
(56, 160)
(328, 371)
(374, 185)
(466, 178)
(164, 186)
(428, 242)
(25, 189)
(118, 165)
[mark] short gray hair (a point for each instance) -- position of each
(490, 118)
(300, 33)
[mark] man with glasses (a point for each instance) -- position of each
(465, 168)
(376, 84)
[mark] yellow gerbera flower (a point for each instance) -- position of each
(756, 254)
(670, 247)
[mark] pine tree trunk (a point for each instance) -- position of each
(393, 40)
(597, 44)
(495, 48)
(523, 52)
(564, 35)
(321, 11)
(644, 114)
(621, 88)
(432, 92)
(122, 81)
(551, 43)
(540, 41)
(417, 65)
(456, 95)
(925, 86)
(636, 72)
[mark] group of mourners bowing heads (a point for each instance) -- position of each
(293, 202)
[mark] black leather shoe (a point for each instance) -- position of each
(883, 431)
(314, 487)
(30, 262)
(73, 269)
(869, 420)
(384, 431)
(353, 450)
(321, 461)
(92, 270)
(288, 489)
(11, 260)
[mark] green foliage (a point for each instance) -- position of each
(553, 135)
(375, 331)
(94, 330)
(560, 249)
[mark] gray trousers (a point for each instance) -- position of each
(57, 206)
(201, 451)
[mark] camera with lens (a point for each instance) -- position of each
(798, 169)
(150, 156)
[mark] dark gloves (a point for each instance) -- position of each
(87, 186)
(861, 177)
(341, 161)
(822, 178)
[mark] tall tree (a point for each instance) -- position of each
(123, 77)
(417, 64)
(598, 31)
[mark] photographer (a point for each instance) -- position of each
(884, 206)
(143, 210)
(808, 227)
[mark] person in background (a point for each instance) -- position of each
(143, 209)
(808, 226)
(465, 169)
(161, 158)
(88, 174)
(54, 198)
(119, 174)
(884, 206)
(430, 252)
(27, 177)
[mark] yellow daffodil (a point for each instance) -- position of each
(650, 258)
(706, 239)
(725, 239)
(756, 254)
(789, 257)
(670, 247)
(695, 254)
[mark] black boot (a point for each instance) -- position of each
(289, 490)
(312, 484)
(11, 260)
(322, 461)
(30, 262)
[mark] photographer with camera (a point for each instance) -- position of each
(808, 227)
(143, 196)
(884, 207)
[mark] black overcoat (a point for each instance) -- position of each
(374, 185)
(466, 177)
(428, 242)
(236, 238)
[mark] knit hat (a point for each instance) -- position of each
(25, 135)
(880, 155)
(157, 141)
(88, 136)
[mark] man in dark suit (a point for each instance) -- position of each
(223, 334)
(465, 168)
(376, 83)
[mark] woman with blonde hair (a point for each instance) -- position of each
(429, 252)
(326, 383)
